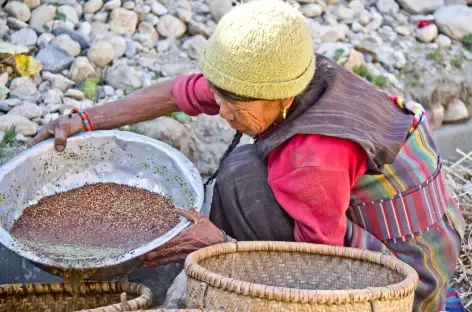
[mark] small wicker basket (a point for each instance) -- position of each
(56, 297)
(283, 276)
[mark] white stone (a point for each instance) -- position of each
(101, 53)
(403, 30)
(312, 10)
(456, 111)
(113, 4)
(93, 6)
(53, 96)
(376, 22)
(28, 110)
(121, 76)
(58, 81)
(344, 13)
(22, 82)
(218, 8)
(60, 24)
(31, 4)
(70, 13)
(364, 17)
(129, 5)
(355, 60)
(151, 19)
(44, 40)
(101, 17)
(427, 34)
(195, 46)
(22, 124)
(81, 69)
(18, 10)
(75, 94)
(455, 21)
(435, 116)
(4, 78)
(123, 21)
(85, 29)
(338, 51)
(387, 6)
(400, 60)
(119, 46)
(170, 26)
(42, 14)
(24, 37)
(158, 9)
(148, 30)
(65, 42)
(327, 33)
(444, 42)
(30, 94)
(357, 27)
(421, 6)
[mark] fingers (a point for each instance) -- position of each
(163, 261)
(41, 136)
(192, 214)
(60, 138)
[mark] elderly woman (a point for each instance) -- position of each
(335, 160)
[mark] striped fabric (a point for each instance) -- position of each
(408, 211)
(409, 196)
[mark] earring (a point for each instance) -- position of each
(284, 114)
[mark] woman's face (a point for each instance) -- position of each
(251, 117)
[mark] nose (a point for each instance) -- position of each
(225, 112)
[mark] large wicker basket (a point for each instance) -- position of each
(56, 297)
(282, 276)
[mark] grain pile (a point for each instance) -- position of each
(459, 181)
(94, 221)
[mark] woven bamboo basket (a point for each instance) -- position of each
(56, 297)
(283, 276)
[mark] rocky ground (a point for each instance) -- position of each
(420, 49)
(128, 45)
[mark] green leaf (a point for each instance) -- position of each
(46, 28)
(4, 90)
(56, 4)
(156, 77)
(467, 40)
(61, 16)
(90, 88)
(180, 116)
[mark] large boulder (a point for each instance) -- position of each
(455, 21)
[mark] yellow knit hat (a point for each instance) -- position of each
(261, 49)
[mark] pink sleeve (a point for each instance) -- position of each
(311, 177)
(193, 96)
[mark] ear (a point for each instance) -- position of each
(287, 102)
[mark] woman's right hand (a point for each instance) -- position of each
(59, 129)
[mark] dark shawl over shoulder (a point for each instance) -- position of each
(339, 103)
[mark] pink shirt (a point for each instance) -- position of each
(311, 176)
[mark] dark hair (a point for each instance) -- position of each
(231, 97)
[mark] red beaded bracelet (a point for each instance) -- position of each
(85, 118)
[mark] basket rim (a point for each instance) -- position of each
(399, 290)
(143, 301)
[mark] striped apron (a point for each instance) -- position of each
(406, 211)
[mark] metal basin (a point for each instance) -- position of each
(100, 156)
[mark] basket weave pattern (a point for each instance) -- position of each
(56, 297)
(280, 276)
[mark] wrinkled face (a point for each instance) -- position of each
(251, 117)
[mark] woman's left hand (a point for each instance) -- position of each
(202, 233)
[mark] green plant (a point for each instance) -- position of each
(457, 60)
(338, 54)
(436, 56)
(90, 88)
(379, 81)
(467, 41)
(155, 77)
(9, 138)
